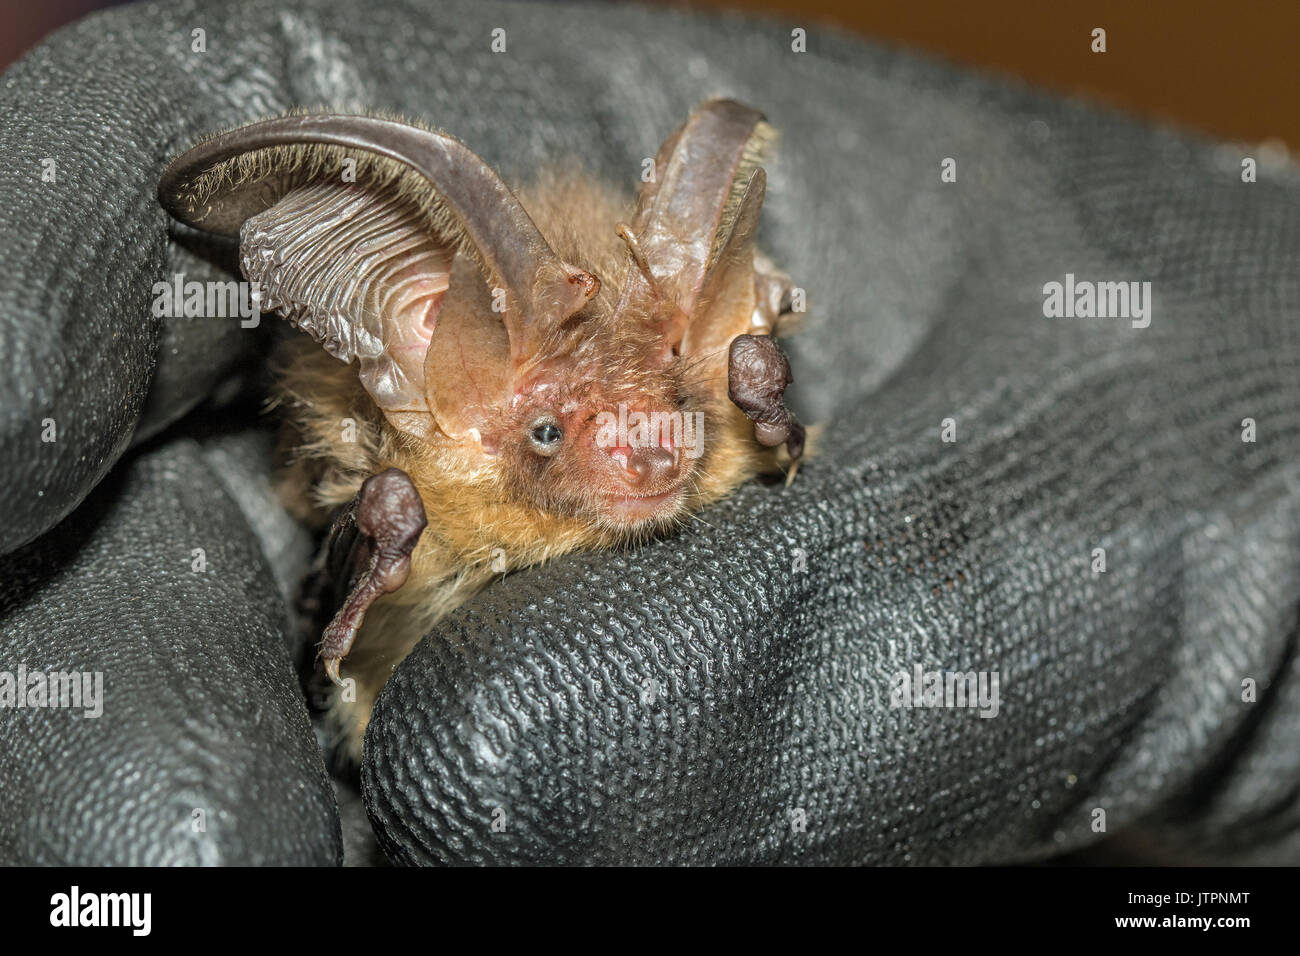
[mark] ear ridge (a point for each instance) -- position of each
(725, 305)
(363, 276)
(223, 196)
(758, 148)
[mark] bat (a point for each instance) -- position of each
(494, 377)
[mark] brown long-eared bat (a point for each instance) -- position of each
(492, 378)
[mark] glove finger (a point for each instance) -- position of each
(86, 352)
(637, 726)
(191, 744)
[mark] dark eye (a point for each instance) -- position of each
(546, 437)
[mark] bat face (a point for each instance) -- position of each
(610, 419)
(610, 454)
(614, 438)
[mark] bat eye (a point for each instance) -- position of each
(546, 437)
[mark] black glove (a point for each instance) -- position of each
(726, 695)
(192, 744)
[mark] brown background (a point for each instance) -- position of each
(1229, 68)
(1226, 68)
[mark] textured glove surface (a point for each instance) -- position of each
(726, 695)
(201, 750)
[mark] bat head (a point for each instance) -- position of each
(582, 390)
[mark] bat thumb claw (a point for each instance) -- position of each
(792, 471)
(332, 670)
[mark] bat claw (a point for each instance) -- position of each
(371, 545)
(758, 373)
(792, 471)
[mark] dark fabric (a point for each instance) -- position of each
(687, 701)
(203, 752)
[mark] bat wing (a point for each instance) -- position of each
(368, 553)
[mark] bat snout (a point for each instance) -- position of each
(647, 485)
(649, 467)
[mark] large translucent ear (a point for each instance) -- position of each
(694, 228)
(350, 226)
(726, 304)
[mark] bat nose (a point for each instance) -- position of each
(644, 467)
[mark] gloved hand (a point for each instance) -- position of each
(193, 744)
(728, 694)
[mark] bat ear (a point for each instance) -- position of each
(694, 229)
(349, 226)
(727, 303)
